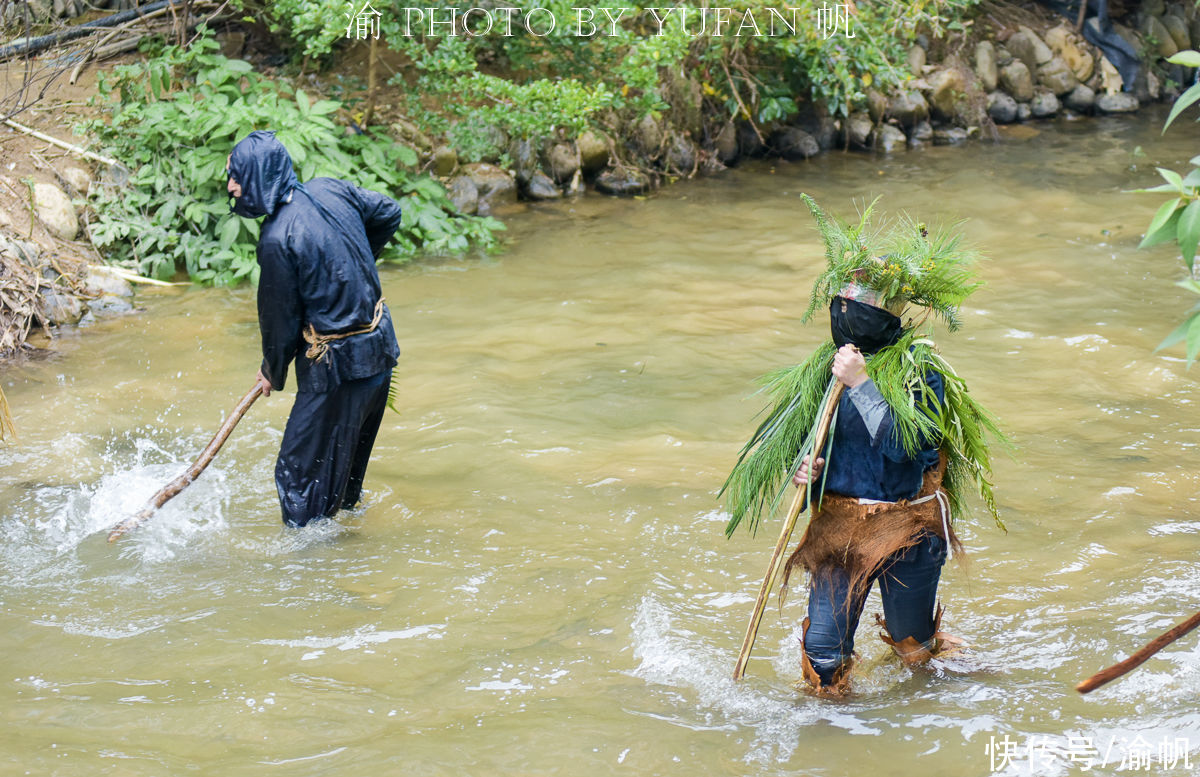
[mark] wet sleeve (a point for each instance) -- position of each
(279, 312)
(885, 436)
(381, 217)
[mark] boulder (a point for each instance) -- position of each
(858, 129)
(1155, 30)
(57, 308)
(1044, 105)
(593, 151)
(523, 153)
(949, 136)
(794, 143)
(55, 210)
(1121, 102)
(109, 305)
(626, 182)
(726, 145)
(496, 187)
(407, 131)
(877, 105)
(541, 187)
(1002, 108)
(562, 160)
(985, 65)
(496, 140)
(1057, 76)
(816, 121)
(102, 280)
(1026, 46)
(1110, 81)
(1024, 112)
(916, 60)
(1148, 87)
(681, 155)
(464, 195)
(947, 89)
(1081, 99)
(1069, 47)
(445, 160)
(749, 143)
(1016, 80)
(79, 179)
(888, 138)
(908, 107)
(1004, 57)
(1178, 27)
(921, 132)
(648, 135)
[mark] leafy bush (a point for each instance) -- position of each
(174, 120)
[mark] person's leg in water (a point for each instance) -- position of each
(908, 587)
(829, 630)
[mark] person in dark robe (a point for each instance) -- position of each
(320, 305)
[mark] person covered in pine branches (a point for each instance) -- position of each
(906, 442)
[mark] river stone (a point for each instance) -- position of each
(916, 59)
(1153, 28)
(949, 136)
(1149, 86)
(1026, 46)
(1152, 7)
(496, 187)
(726, 144)
(749, 143)
(1179, 31)
(55, 210)
(1024, 112)
(593, 151)
(794, 143)
(109, 305)
(877, 105)
(576, 187)
(1004, 57)
(79, 179)
(464, 195)
(985, 65)
(888, 138)
(1129, 36)
(681, 155)
(408, 131)
(1121, 102)
(1002, 108)
(1081, 99)
(648, 135)
(541, 187)
(1016, 80)
(105, 281)
(57, 308)
(858, 129)
(1044, 105)
(816, 121)
(1056, 76)
(562, 160)
(922, 131)
(946, 90)
(445, 159)
(1063, 41)
(523, 154)
(624, 182)
(908, 107)
(496, 142)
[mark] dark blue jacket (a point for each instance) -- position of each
(316, 254)
(877, 469)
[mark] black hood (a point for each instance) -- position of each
(263, 167)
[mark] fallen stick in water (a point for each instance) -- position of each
(183, 481)
(1138, 658)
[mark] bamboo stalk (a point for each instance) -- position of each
(183, 481)
(785, 536)
(1138, 658)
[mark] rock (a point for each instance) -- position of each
(916, 60)
(1016, 80)
(1164, 44)
(1152, 7)
(816, 121)
(104, 280)
(858, 129)
(109, 305)
(58, 308)
(681, 155)
(877, 105)
(1081, 99)
(1128, 35)
(908, 107)
(946, 91)
(726, 144)
(1179, 31)
(888, 138)
(496, 140)
(1024, 112)
(949, 136)
(445, 160)
(575, 187)
(648, 136)
(593, 151)
(1065, 44)
(922, 131)
(55, 210)
(1002, 108)
(1026, 46)
(1110, 79)
(1044, 105)
(1004, 57)
(464, 195)
(1148, 87)
(408, 131)
(1121, 102)
(495, 187)
(625, 182)
(749, 143)
(79, 179)
(562, 160)
(541, 187)
(794, 143)
(523, 154)
(1057, 76)
(985, 65)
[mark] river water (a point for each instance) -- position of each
(539, 584)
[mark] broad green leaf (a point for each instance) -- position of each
(1164, 234)
(1171, 177)
(1189, 284)
(1192, 179)
(1188, 232)
(229, 232)
(323, 107)
(1165, 211)
(1182, 103)
(302, 102)
(1193, 338)
(1186, 58)
(1162, 187)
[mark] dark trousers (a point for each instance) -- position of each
(326, 445)
(908, 586)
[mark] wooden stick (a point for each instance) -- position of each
(785, 536)
(1082, 15)
(183, 481)
(1138, 658)
(62, 144)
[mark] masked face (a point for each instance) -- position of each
(866, 326)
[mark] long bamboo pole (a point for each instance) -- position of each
(1138, 658)
(183, 481)
(785, 536)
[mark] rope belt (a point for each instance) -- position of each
(943, 505)
(318, 344)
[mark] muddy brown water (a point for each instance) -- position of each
(540, 584)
